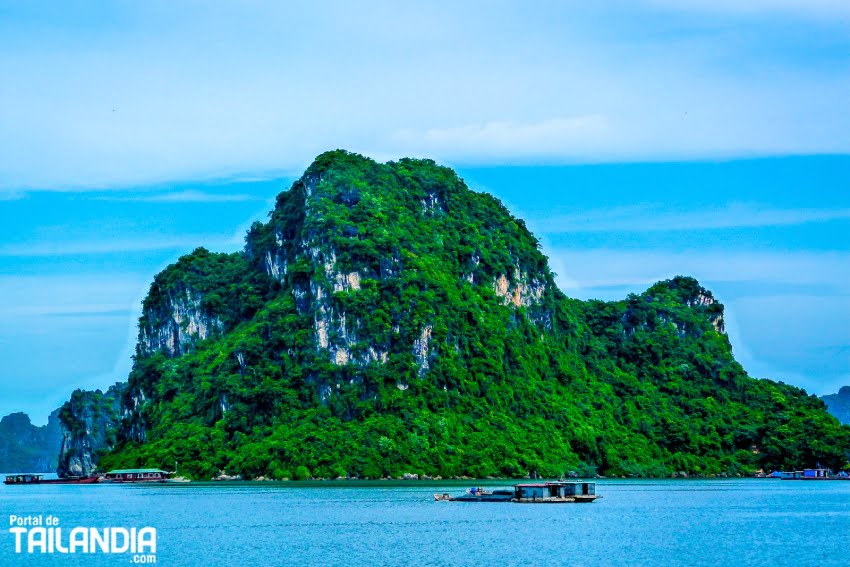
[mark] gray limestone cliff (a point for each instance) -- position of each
(199, 297)
(89, 422)
(327, 264)
(173, 327)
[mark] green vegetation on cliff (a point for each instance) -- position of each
(386, 319)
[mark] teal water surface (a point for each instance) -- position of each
(675, 522)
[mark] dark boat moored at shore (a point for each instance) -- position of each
(29, 479)
(537, 493)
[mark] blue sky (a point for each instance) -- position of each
(639, 141)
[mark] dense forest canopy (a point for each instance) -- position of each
(387, 319)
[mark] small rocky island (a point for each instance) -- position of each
(25, 447)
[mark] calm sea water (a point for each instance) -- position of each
(676, 522)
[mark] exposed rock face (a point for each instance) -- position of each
(179, 325)
(705, 299)
(27, 448)
(421, 349)
(199, 297)
(274, 261)
(133, 427)
(347, 282)
(89, 422)
(432, 204)
(522, 291)
(839, 404)
(336, 334)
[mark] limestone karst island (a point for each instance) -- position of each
(386, 319)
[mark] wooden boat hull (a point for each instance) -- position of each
(482, 498)
(87, 480)
(819, 478)
(139, 481)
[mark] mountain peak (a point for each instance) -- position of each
(351, 223)
(687, 291)
(338, 159)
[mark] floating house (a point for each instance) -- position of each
(26, 479)
(555, 492)
(544, 492)
(816, 473)
(23, 479)
(806, 474)
(136, 475)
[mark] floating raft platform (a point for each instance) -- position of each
(537, 493)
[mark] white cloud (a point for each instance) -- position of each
(554, 137)
(23, 297)
(53, 355)
(159, 91)
(105, 246)
(651, 219)
(187, 196)
(587, 269)
(804, 8)
(773, 337)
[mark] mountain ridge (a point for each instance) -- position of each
(25, 447)
(838, 404)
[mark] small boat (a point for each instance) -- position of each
(538, 493)
(18, 479)
(479, 495)
(136, 475)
